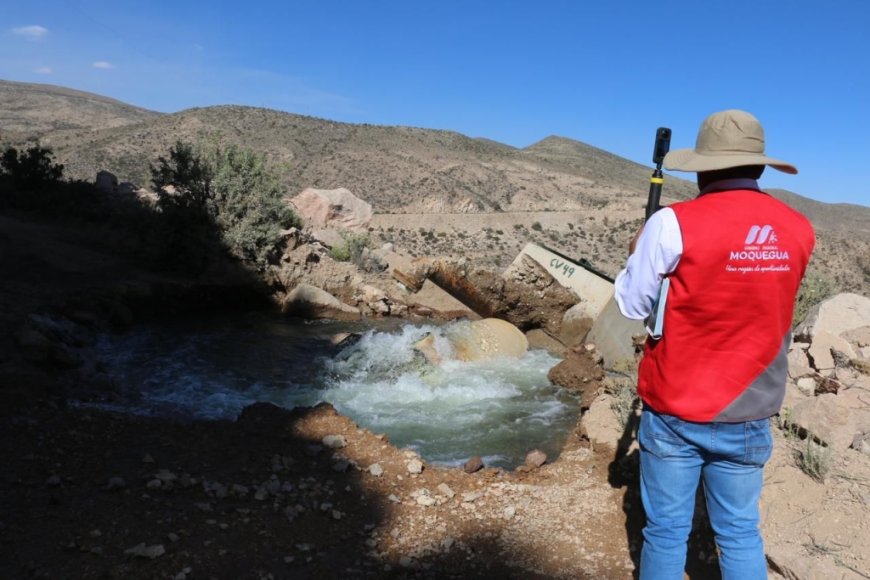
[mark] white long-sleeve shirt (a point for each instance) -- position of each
(656, 255)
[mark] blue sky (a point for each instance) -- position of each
(606, 73)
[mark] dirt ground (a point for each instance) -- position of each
(92, 494)
(309, 494)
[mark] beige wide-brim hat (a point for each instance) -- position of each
(727, 139)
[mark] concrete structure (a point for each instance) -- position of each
(612, 334)
(591, 287)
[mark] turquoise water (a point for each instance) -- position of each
(498, 409)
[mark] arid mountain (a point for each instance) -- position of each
(433, 191)
(29, 110)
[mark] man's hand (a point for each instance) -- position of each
(633, 242)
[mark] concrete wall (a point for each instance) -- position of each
(596, 291)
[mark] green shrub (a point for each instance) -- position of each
(815, 459)
(232, 188)
(352, 249)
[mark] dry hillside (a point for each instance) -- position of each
(433, 191)
(29, 110)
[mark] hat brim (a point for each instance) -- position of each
(690, 160)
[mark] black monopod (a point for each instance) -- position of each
(663, 144)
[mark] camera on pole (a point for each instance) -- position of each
(663, 144)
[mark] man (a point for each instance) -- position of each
(734, 258)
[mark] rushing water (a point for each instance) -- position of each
(499, 409)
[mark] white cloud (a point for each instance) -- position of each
(103, 64)
(32, 32)
(43, 70)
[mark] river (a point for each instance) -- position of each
(212, 368)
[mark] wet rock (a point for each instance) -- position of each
(578, 372)
(535, 458)
(473, 465)
(540, 339)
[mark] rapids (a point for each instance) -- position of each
(196, 369)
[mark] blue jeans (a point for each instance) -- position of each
(729, 457)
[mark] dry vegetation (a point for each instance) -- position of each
(434, 192)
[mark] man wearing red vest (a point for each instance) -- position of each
(733, 259)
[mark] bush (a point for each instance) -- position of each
(232, 189)
(31, 169)
(352, 250)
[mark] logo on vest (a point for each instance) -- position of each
(759, 253)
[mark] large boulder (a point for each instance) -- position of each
(489, 338)
(309, 301)
(836, 315)
(332, 208)
(828, 418)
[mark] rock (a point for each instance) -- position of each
(143, 551)
(509, 512)
(823, 347)
(332, 208)
(861, 365)
(415, 466)
(489, 338)
(576, 323)
(827, 420)
(807, 386)
(836, 315)
(334, 441)
(858, 337)
(116, 483)
(329, 237)
(307, 301)
(446, 490)
(798, 363)
(376, 470)
(473, 464)
(105, 182)
(540, 339)
(433, 301)
(578, 372)
(535, 458)
(471, 496)
(601, 423)
(375, 299)
(424, 498)
(427, 347)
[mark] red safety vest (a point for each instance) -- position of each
(727, 325)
